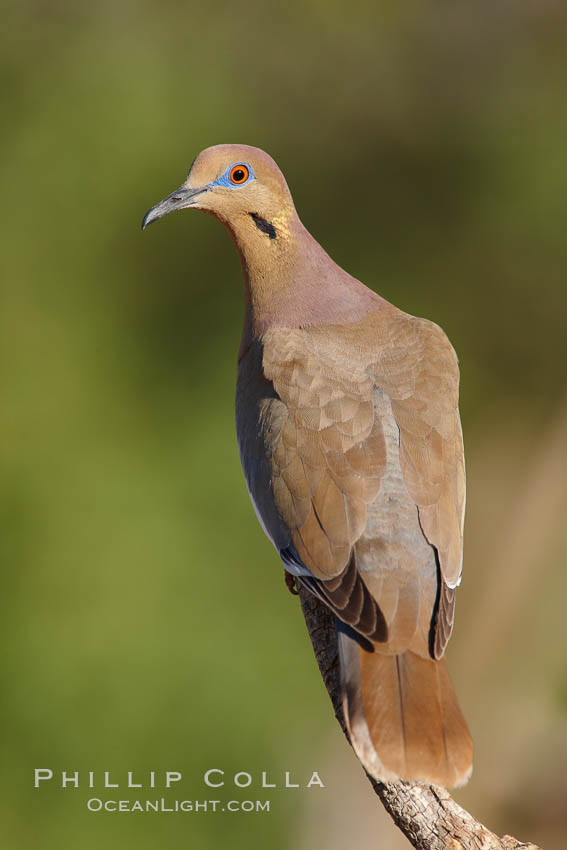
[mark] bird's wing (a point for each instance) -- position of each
(328, 456)
(418, 371)
(417, 367)
(315, 456)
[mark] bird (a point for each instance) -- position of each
(351, 445)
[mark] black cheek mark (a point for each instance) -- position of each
(264, 226)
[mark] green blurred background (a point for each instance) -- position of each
(146, 623)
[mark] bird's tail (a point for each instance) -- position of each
(403, 716)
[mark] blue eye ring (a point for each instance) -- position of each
(237, 174)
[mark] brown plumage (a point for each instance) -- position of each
(350, 440)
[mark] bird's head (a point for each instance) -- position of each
(239, 185)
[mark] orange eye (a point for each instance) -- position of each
(239, 174)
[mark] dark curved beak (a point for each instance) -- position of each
(178, 200)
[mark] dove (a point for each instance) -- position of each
(350, 440)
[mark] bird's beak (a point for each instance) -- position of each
(178, 200)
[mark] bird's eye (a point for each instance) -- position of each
(239, 174)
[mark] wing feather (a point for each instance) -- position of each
(354, 445)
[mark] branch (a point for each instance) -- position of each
(426, 814)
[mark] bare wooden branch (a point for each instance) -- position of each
(427, 814)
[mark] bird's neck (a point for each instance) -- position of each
(290, 281)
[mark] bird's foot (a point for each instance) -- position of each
(290, 582)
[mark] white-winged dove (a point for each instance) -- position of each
(350, 439)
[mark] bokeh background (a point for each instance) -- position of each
(146, 624)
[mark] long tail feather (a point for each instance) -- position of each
(403, 716)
